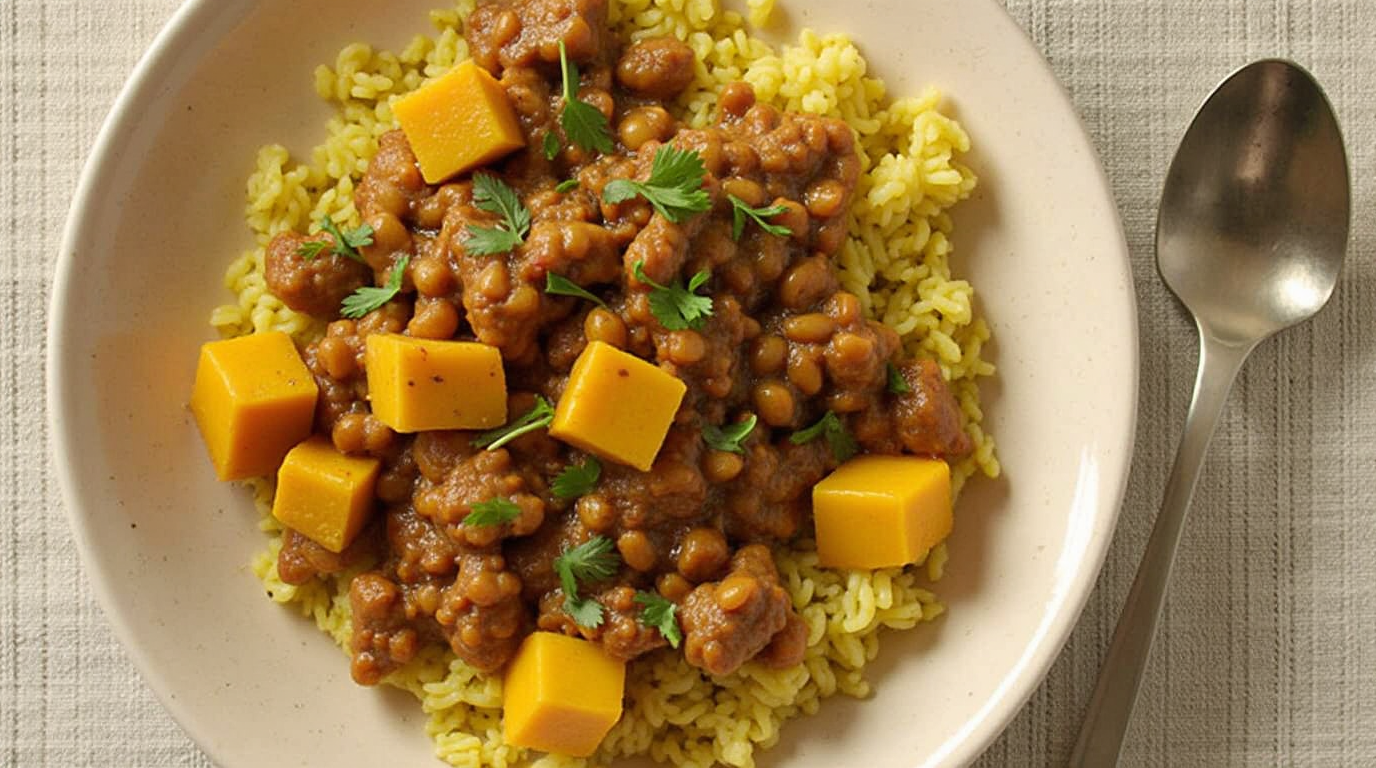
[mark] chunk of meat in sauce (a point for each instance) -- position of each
(929, 416)
(524, 33)
(420, 551)
(393, 607)
(314, 286)
(708, 359)
(482, 613)
(503, 295)
(727, 623)
(389, 199)
(532, 557)
(628, 499)
(384, 637)
(336, 362)
(925, 421)
(481, 478)
(621, 633)
(301, 559)
(773, 494)
(807, 163)
(788, 647)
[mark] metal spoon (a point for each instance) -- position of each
(1251, 238)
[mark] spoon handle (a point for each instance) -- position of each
(1115, 693)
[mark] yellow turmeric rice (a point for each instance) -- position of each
(897, 260)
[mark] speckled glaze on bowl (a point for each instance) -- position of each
(158, 216)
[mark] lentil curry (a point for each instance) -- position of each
(477, 538)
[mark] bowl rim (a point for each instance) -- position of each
(179, 33)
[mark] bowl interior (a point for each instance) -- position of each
(166, 547)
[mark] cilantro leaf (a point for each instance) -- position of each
(311, 248)
(577, 479)
(538, 417)
(551, 145)
(740, 210)
(585, 612)
(493, 195)
(492, 512)
(357, 238)
(674, 187)
(369, 298)
(675, 307)
(730, 437)
(593, 560)
(584, 124)
(587, 126)
(558, 285)
(490, 241)
(661, 614)
(897, 384)
(566, 186)
(834, 430)
(345, 244)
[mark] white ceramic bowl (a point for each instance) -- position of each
(158, 216)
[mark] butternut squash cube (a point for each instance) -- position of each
(458, 122)
(617, 406)
(882, 511)
(421, 384)
(323, 494)
(253, 400)
(561, 694)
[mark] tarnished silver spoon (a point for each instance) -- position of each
(1251, 237)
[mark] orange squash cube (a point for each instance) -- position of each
(882, 511)
(418, 385)
(253, 399)
(617, 406)
(561, 694)
(458, 122)
(323, 494)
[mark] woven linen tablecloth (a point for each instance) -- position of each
(1267, 654)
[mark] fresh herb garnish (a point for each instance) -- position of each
(558, 285)
(491, 194)
(741, 210)
(834, 430)
(584, 124)
(577, 479)
(492, 512)
(593, 560)
(897, 384)
(674, 188)
(660, 613)
(345, 244)
(369, 298)
(551, 145)
(566, 186)
(311, 248)
(730, 437)
(585, 611)
(538, 417)
(675, 307)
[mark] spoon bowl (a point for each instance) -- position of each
(1251, 237)
(1254, 218)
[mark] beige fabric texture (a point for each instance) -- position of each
(1267, 654)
